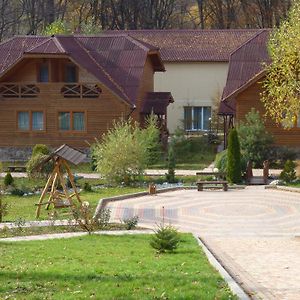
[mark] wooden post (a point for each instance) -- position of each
(38, 210)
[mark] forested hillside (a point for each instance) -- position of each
(93, 16)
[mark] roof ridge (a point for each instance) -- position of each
(38, 45)
(58, 44)
(248, 41)
(144, 45)
(105, 72)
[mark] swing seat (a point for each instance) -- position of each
(60, 203)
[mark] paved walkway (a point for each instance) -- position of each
(162, 172)
(254, 232)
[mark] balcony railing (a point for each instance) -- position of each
(81, 91)
(32, 90)
(13, 90)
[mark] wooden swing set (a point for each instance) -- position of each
(60, 198)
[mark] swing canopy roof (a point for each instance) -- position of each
(67, 153)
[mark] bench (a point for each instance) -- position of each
(16, 169)
(218, 175)
(201, 183)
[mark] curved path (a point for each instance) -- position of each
(254, 232)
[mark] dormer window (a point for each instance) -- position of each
(70, 73)
(43, 75)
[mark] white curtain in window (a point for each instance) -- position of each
(37, 120)
(23, 120)
(64, 121)
(78, 121)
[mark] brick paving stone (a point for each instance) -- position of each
(254, 232)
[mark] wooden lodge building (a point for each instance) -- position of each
(69, 89)
(244, 86)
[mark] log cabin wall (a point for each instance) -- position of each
(146, 85)
(99, 112)
(251, 98)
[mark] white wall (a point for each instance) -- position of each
(191, 84)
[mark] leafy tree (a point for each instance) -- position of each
(57, 27)
(123, 153)
(282, 83)
(255, 141)
(233, 157)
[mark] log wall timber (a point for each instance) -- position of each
(251, 98)
(99, 112)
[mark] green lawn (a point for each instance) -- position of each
(107, 267)
(23, 207)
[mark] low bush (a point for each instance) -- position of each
(8, 180)
(279, 155)
(131, 223)
(103, 217)
(39, 153)
(87, 187)
(166, 238)
(40, 149)
(288, 173)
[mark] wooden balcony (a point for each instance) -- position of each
(33, 90)
(84, 90)
(17, 90)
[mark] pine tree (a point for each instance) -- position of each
(170, 176)
(233, 158)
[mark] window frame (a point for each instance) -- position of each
(71, 121)
(69, 64)
(30, 112)
(39, 65)
(192, 121)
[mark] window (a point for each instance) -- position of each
(70, 73)
(23, 120)
(30, 120)
(37, 120)
(71, 121)
(197, 117)
(43, 72)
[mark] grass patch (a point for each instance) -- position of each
(23, 207)
(107, 267)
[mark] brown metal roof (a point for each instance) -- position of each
(157, 102)
(193, 45)
(246, 66)
(116, 61)
(246, 63)
(69, 154)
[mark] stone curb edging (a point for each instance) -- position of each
(239, 288)
(104, 201)
(283, 188)
(67, 235)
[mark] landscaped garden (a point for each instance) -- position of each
(107, 267)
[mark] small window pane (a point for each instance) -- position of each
(78, 121)
(64, 121)
(37, 120)
(23, 120)
(206, 118)
(71, 73)
(187, 118)
(44, 73)
(197, 121)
